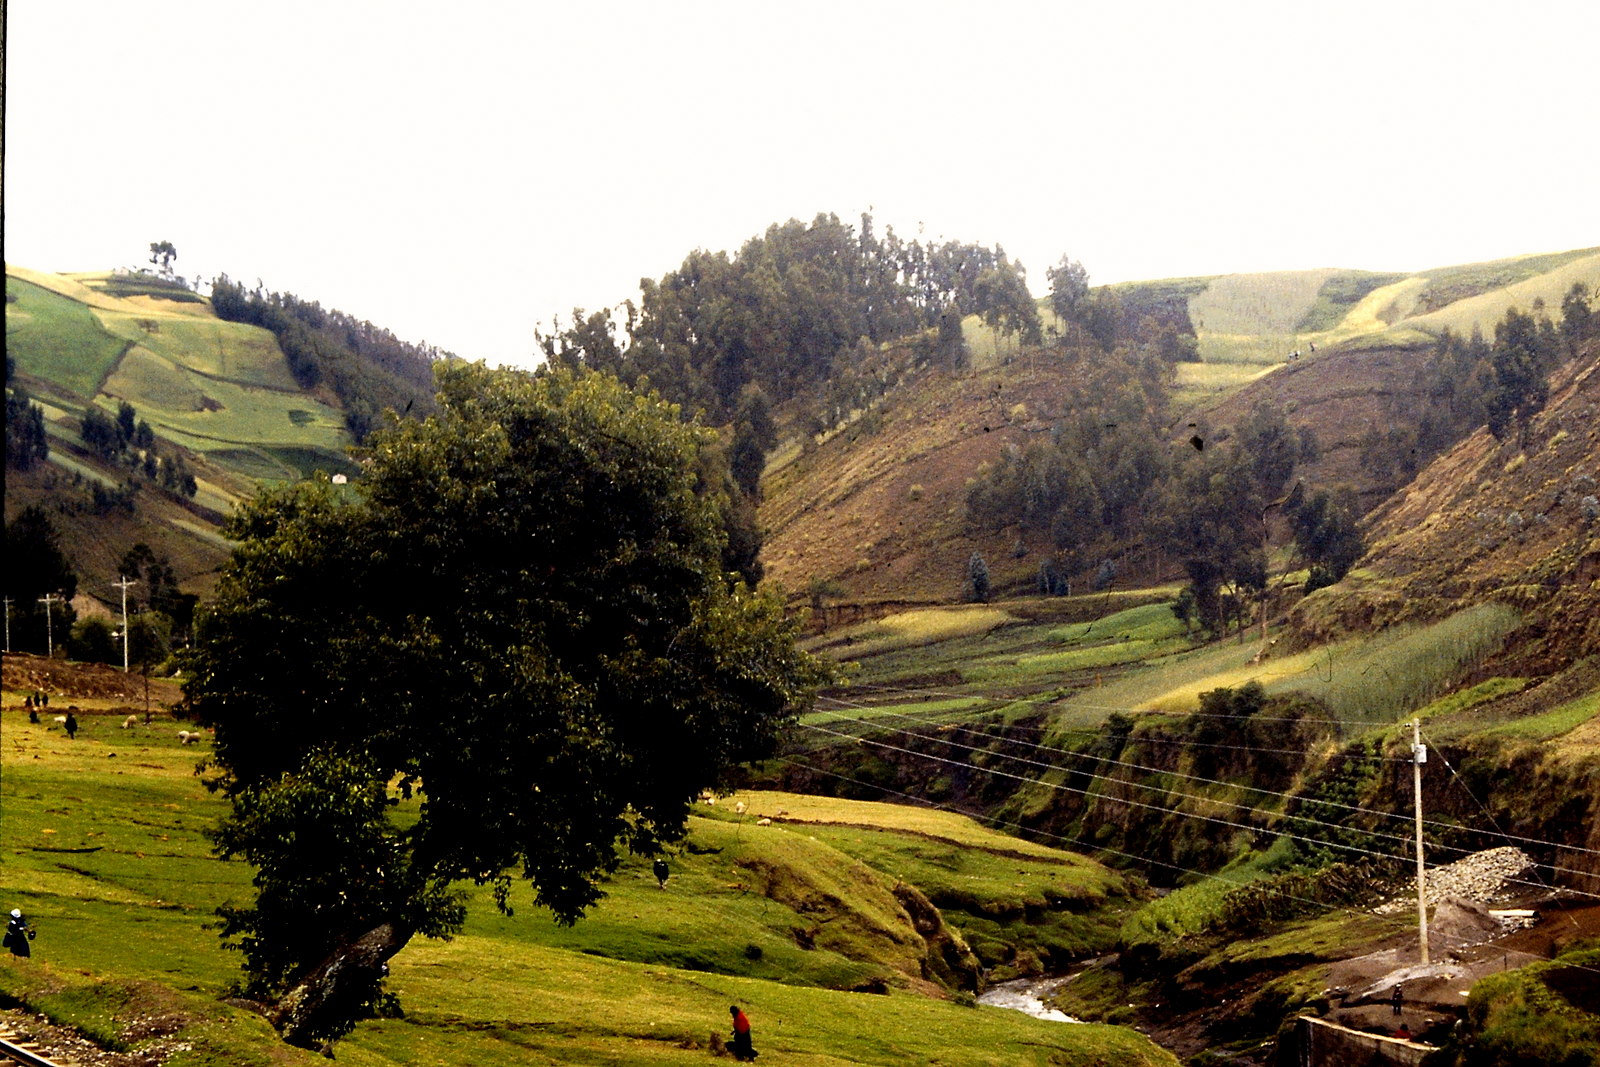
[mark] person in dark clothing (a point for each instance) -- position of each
(661, 872)
(741, 1048)
(72, 726)
(1396, 999)
(18, 934)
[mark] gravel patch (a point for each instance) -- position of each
(1481, 876)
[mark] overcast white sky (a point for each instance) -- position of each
(461, 172)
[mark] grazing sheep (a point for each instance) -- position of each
(763, 822)
(130, 722)
(59, 718)
(185, 737)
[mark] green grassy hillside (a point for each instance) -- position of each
(217, 393)
(220, 389)
(105, 850)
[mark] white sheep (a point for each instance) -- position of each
(185, 737)
(130, 722)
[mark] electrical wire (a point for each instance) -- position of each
(1155, 807)
(1119, 800)
(1497, 832)
(925, 692)
(1199, 744)
(1255, 789)
(1403, 839)
(1093, 847)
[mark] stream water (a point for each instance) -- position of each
(1028, 995)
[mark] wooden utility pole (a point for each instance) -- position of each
(1419, 756)
(49, 627)
(123, 583)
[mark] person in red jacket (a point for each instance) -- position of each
(742, 1049)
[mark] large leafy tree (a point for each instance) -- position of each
(522, 625)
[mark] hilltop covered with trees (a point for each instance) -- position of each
(368, 368)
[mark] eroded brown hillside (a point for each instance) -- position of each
(1516, 521)
(1338, 396)
(880, 507)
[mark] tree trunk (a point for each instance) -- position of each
(325, 1004)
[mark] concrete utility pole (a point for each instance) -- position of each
(123, 583)
(1419, 756)
(49, 629)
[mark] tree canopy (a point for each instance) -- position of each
(789, 310)
(368, 368)
(522, 621)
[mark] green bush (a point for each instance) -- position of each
(1516, 1019)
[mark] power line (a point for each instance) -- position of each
(1075, 704)
(1301, 819)
(1456, 778)
(1094, 847)
(1235, 785)
(1087, 732)
(1118, 800)
(1376, 834)
(881, 710)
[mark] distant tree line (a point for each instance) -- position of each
(1472, 381)
(803, 315)
(27, 444)
(801, 312)
(158, 614)
(1109, 475)
(792, 310)
(366, 367)
(127, 439)
(37, 567)
(1091, 483)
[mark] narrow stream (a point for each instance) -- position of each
(1028, 995)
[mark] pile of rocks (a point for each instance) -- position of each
(1481, 877)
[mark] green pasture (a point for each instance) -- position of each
(932, 711)
(221, 389)
(1266, 304)
(58, 339)
(1030, 667)
(910, 822)
(104, 849)
(1147, 622)
(203, 413)
(926, 626)
(550, 1007)
(1141, 659)
(1198, 383)
(1339, 294)
(1515, 283)
(984, 646)
(1136, 634)
(1374, 679)
(1554, 723)
(1192, 909)
(1005, 895)
(206, 347)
